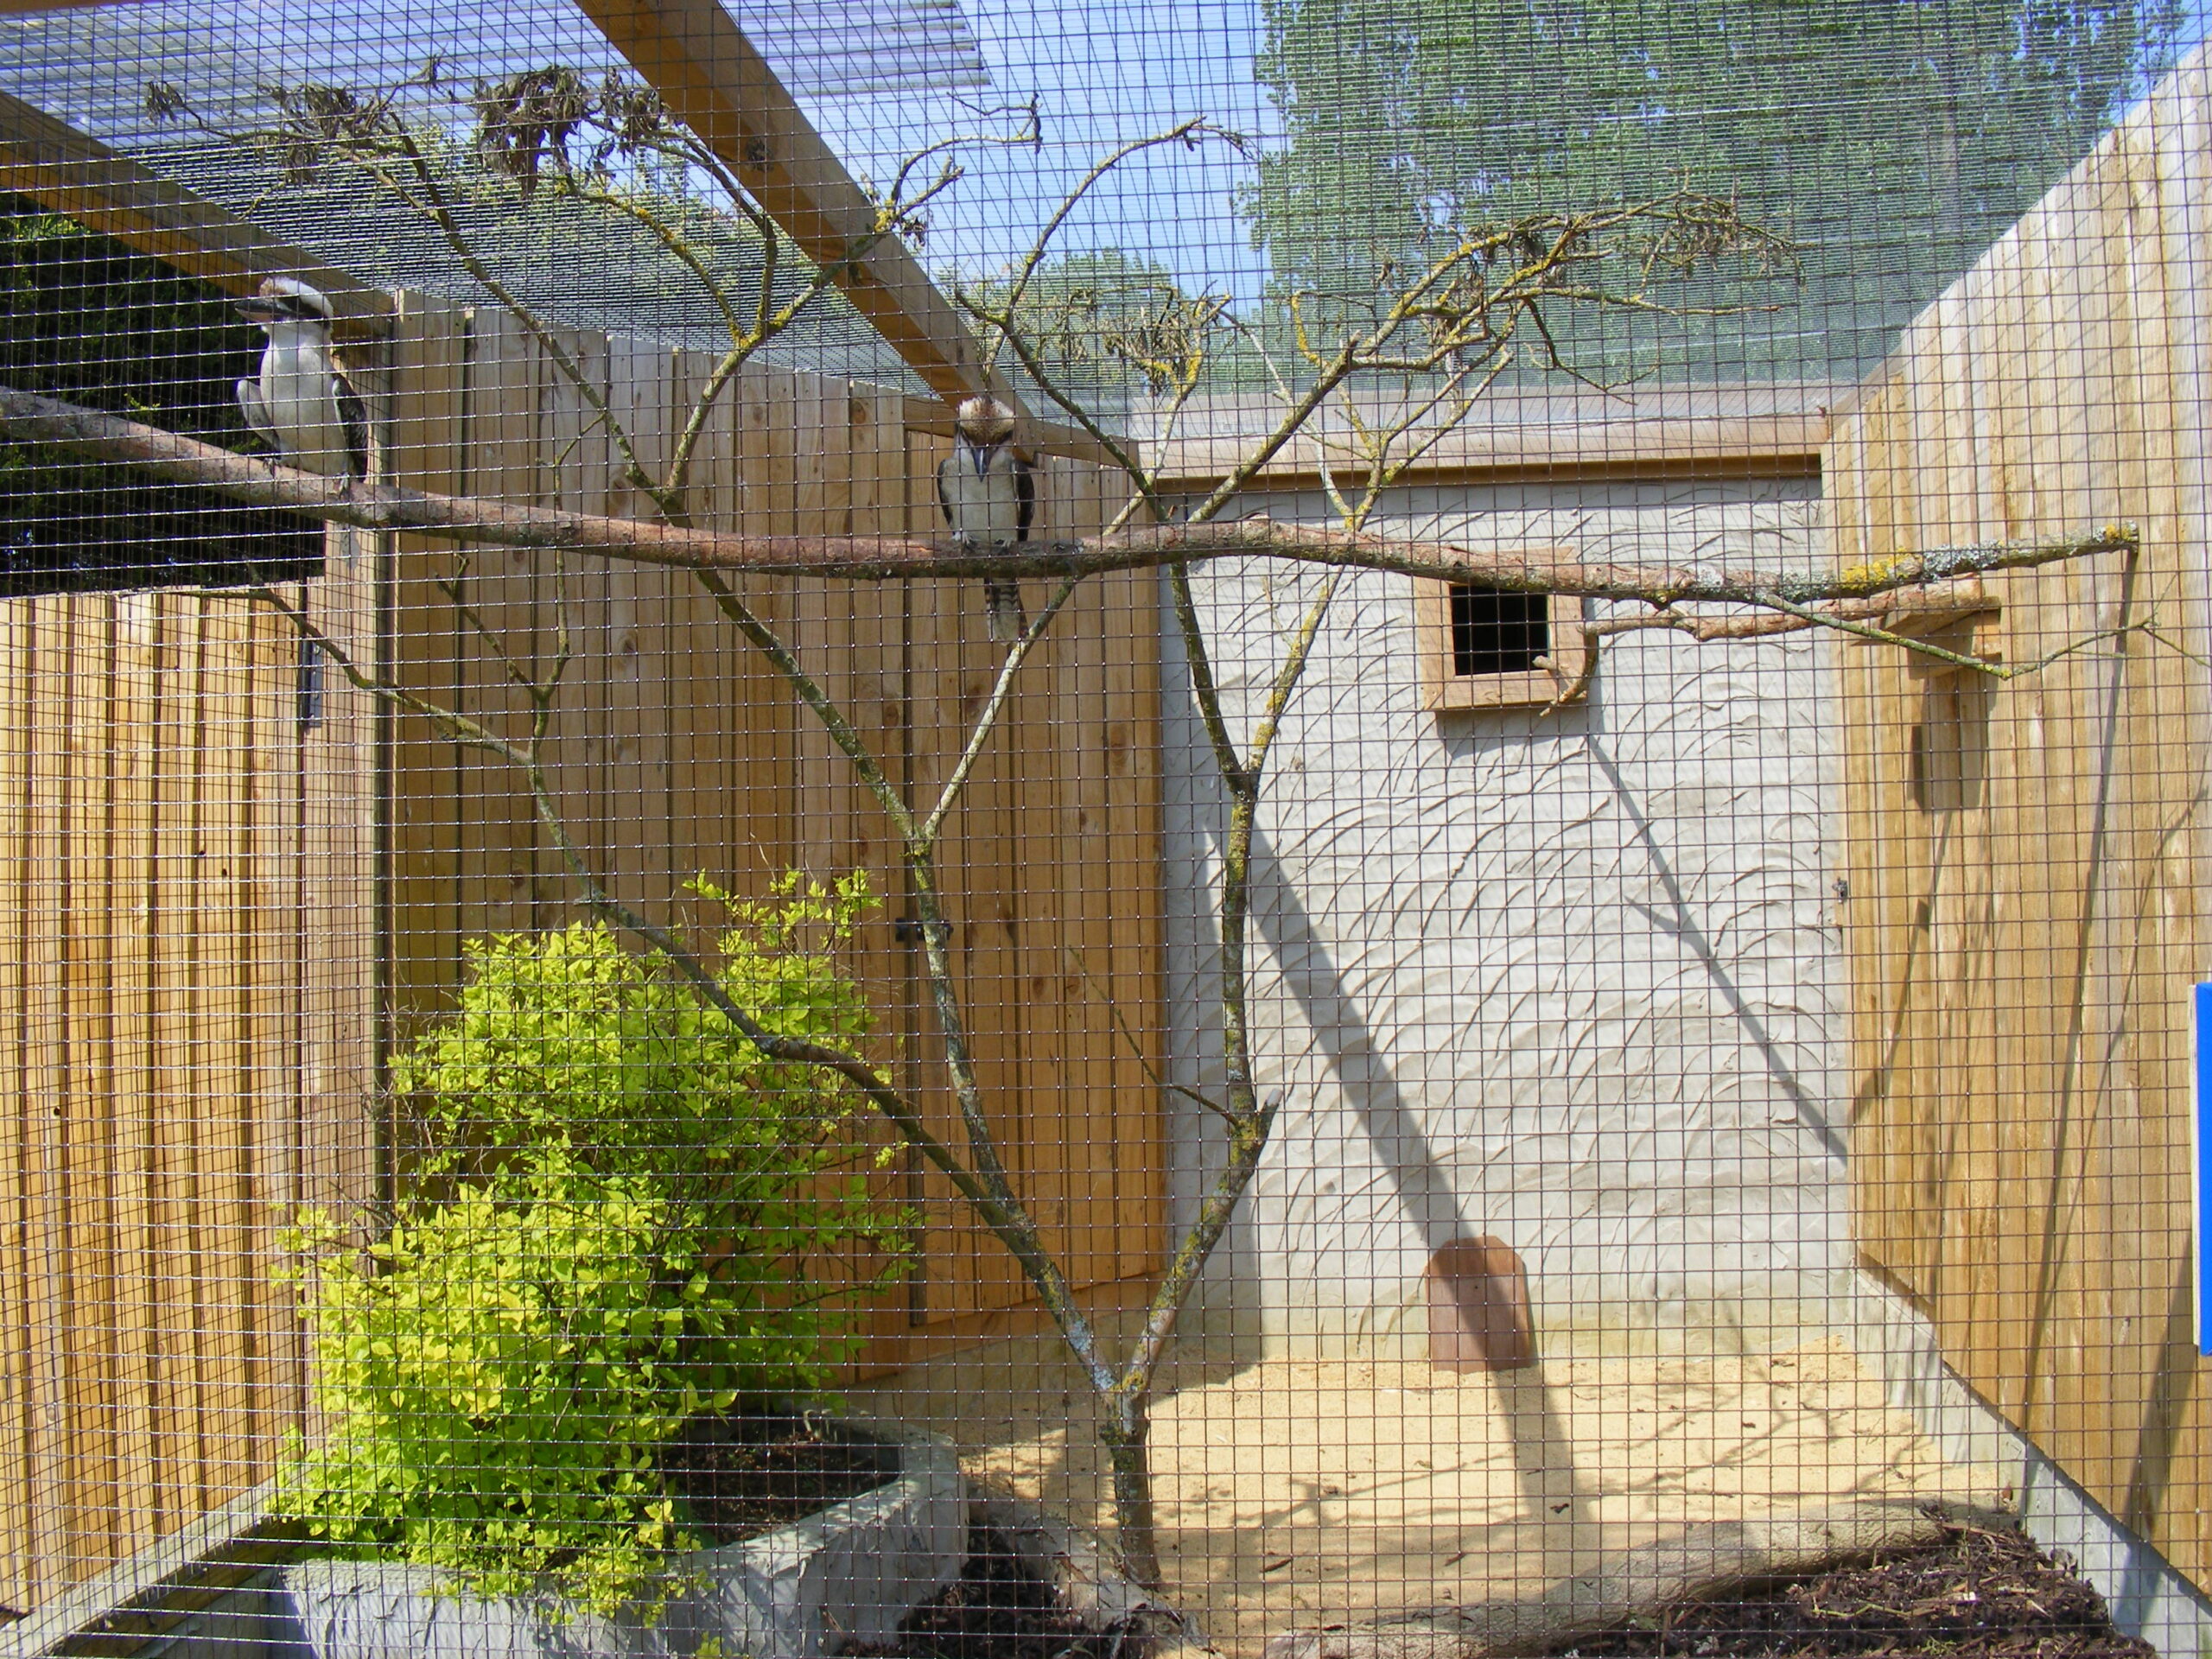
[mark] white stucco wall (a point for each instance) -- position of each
(1569, 979)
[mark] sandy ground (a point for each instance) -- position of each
(1295, 1492)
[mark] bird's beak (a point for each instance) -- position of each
(260, 310)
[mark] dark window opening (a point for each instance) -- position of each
(86, 319)
(1494, 631)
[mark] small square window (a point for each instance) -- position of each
(1498, 631)
(1490, 648)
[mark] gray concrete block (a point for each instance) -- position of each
(848, 1575)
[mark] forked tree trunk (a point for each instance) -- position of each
(1129, 1455)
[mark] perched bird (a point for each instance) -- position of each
(302, 403)
(988, 494)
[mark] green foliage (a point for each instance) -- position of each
(1105, 324)
(610, 1233)
(535, 182)
(567, 1051)
(1896, 138)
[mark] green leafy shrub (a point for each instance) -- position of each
(608, 1232)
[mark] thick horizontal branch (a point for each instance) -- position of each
(1884, 609)
(90, 436)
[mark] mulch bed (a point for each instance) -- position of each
(997, 1609)
(752, 1471)
(1975, 1593)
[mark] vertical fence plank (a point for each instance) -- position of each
(498, 867)
(2017, 1045)
(54, 1449)
(133, 826)
(79, 1127)
(20, 1516)
(174, 981)
(1135, 901)
(93, 1126)
(339, 932)
(574, 594)
(631, 705)
(427, 449)
(231, 914)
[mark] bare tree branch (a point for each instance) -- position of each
(89, 435)
(985, 1186)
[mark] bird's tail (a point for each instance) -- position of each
(1002, 613)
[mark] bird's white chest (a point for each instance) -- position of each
(299, 393)
(984, 507)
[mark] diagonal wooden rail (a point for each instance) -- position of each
(717, 83)
(71, 172)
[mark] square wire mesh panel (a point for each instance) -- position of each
(1336, 829)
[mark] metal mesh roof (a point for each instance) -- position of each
(91, 67)
(1892, 156)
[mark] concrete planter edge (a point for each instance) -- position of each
(848, 1573)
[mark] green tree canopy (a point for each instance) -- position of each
(1894, 138)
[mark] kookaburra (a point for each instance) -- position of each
(302, 403)
(988, 494)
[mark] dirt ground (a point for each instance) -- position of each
(1297, 1492)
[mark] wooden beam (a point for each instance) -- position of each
(1765, 431)
(715, 80)
(1592, 464)
(73, 173)
(709, 75)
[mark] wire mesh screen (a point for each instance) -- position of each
(1334, 830)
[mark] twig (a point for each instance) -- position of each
(1187, 132)
(1152, 1072)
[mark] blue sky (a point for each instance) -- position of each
(1104, 72)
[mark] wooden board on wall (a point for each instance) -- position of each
(188, 875)
(2025, 857)
(677, 749)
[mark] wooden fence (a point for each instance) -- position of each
(186, 865)
(221, 863)
(2025, 859)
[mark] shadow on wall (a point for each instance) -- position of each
(1422, 1188)
(1681, 922)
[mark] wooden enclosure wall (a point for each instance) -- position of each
(216, 858)
(2023, 915)
(677, 749)
(187, 893)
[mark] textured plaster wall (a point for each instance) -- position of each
(1569, 979)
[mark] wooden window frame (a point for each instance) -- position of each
(1443, 691)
